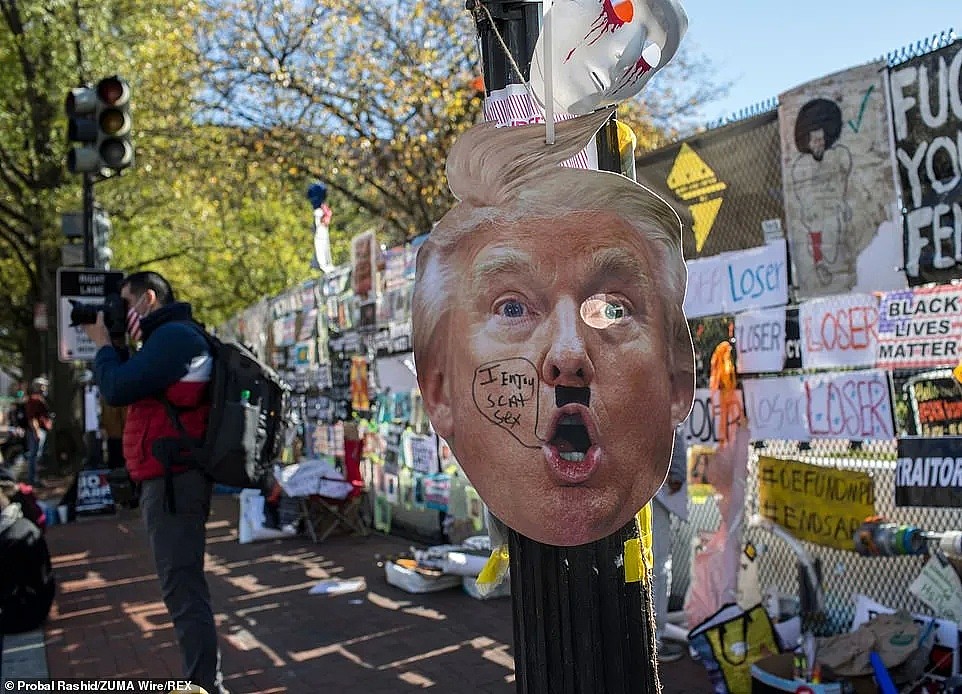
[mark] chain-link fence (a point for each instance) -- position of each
(730, 181)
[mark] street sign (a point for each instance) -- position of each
(72, 225)
(72, 255)
(88, 287)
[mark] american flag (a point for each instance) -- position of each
(133, 325)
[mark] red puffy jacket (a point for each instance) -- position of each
(175, 360)
(148, 421)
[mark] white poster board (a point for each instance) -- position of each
(839, 331)
(851, 405)
(776, 408)
(737, 281)
(760, 341)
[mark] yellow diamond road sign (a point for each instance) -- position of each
(692, 180)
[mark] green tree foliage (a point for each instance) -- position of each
(238, 105)
(225, 218)
(367, 97)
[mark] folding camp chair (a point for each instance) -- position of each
(325, 514)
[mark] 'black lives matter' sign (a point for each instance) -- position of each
(927, 112)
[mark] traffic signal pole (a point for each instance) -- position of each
(99, 119)
(88, 219)
(583, 620)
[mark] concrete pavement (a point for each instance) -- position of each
(109, 621)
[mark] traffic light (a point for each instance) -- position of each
(99, 119)
(102, 228)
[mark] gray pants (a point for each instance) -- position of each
(177, 541)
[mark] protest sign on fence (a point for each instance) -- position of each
(926, 95)
(839, 331)
(839, 184)
(929, 472)
(738, 281)
(760, 341)
(776, 408)
(724, 177)
(853, 405)
(920, 328)
(936, 402)
(819, 504)
(704, 421)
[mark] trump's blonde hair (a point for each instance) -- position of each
(506, 176)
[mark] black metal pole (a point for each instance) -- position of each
(88, 222)
(581, 624)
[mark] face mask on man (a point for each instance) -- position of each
(133, 320)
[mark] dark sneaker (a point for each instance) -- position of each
(669, 652)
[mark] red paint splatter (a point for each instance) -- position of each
(633, 74)
(609, 20)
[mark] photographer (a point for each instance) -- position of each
(174, 363)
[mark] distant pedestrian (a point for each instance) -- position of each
(39, 424)
(672, 498)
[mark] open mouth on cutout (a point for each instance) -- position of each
(572, 451)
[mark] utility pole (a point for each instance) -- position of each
(583, 624)
(88, 218)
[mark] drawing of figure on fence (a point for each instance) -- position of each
(820, 176)
(839, 184)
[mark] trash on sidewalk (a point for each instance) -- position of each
(251, 525)
(444, 566)
(410, 577)
(776, 674)
(337, 586)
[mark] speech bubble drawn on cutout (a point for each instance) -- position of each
(507, 392)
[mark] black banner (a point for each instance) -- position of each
(936, 401)
(929, 472)
(793, 339)
(927, 113)
(730, 180)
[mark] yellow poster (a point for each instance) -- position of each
(819, 504)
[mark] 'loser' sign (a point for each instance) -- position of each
(737, 281)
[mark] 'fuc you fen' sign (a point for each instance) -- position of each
(927, 112)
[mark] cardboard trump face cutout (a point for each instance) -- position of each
(551, 346)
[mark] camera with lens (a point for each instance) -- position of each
(113, 307)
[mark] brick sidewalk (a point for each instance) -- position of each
(108, 620)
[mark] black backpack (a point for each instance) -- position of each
(249, 415)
